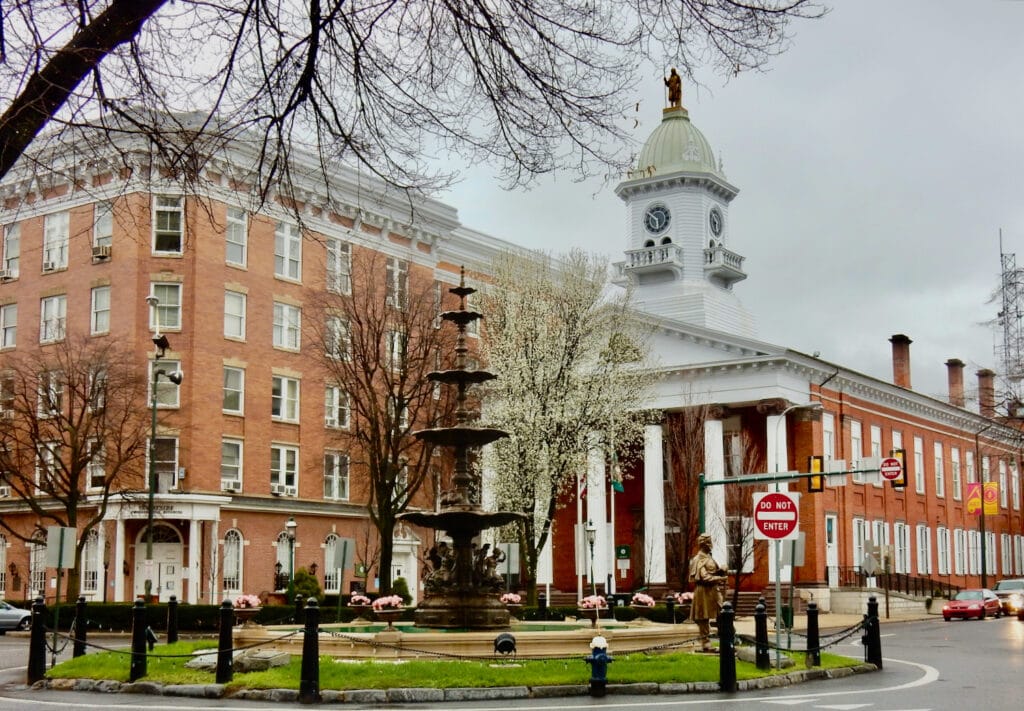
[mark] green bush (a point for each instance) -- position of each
(306, 584)
(401, 588)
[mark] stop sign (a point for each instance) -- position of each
(891, 468)
(776, 516)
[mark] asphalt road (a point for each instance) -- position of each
(928, 666)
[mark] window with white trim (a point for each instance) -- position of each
(959, 552)
(333, 564)
(53, 312)
(1015, 485)
(167, 393)
(397, 343)
(50, 393)
(232, 566)
(98, 382)
(234, 315)
(924, 550)
(287, 326)
(972, 474)
(37, 566)
(48, 467)
(165, 463)
(231, 464)
(284, 466)
(901, 547)
(8, 325)
(940, 472)
(339, 338)
(955, 475)
(284, 400)
(397, 283)
(90, 564)
(55, 240)
(236, 237)
(1003, 481)
(3, 566)
(168, 224)
(875, 434)
(973, 552)
(986, 470)
(12, 249)
(234, 390)
(990, 553)
(335, 475)
(828, 435)
(339, 267)
(860, 535)
(167, 314)
(287, 251)
(919, 465)
(103, 223)
(1005, 554)
(942, 549)
(99, 320)
(96, 470)
(856, 449)
(336, 407)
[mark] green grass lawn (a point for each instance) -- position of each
(166, 665)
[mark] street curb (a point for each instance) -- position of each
(412, 695)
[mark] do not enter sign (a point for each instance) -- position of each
(776, 516)
(891, 468)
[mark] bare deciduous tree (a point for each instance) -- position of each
(526, 87)
(379, 336)
(72, 434)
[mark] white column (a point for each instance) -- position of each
(195, 546)
(714, 496)
(597, 500)
(215, 561)
(654, 506)
(120, 557)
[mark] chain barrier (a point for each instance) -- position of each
(833, 638)
(120, 650)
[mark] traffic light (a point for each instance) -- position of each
(816, 467)
(901, 481)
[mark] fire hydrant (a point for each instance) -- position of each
(598, 659)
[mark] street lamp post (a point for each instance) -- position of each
(591, 537)
(161, 344)
(290, 526)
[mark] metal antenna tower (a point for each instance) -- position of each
(1011, 352)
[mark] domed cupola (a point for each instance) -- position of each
(676, 145)
(678, 255)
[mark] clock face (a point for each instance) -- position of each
(656, 219)
(715, 221)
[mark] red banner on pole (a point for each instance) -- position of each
(991, 496)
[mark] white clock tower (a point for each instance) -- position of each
(678, 261)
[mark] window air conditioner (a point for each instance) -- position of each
(290, 491)
(49, 266)
(101, 252)
(5, 491)
(6, 414)
(231, 485)
(6, 275)
(277, 489)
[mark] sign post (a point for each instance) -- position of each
(777, 518)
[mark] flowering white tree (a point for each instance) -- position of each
(570, 364)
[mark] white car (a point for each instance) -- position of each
(13, 618)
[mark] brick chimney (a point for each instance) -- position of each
(901, 360)
(986, 393)
(955, 373)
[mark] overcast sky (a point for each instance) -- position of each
(877, 161)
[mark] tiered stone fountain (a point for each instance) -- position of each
(461, 591)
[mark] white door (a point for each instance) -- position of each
(167, 559)
(832, 549)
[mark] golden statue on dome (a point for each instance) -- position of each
(675, 89)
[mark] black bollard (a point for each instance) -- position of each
(727, 648)
(670, 608)
(309, 678)
(813, 638)
(872, 637)
(224, 643)
(80, 631)
(542, 606)
(172, 620)
(138, 663)
(298, 610)
(37, 643)
(761, 656)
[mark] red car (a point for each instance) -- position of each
(978, 603)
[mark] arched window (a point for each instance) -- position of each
(332, 552)
(283, 565)
(233, 562)
(649, 243)
(37, 566)
(666, 240)
(90, 577)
